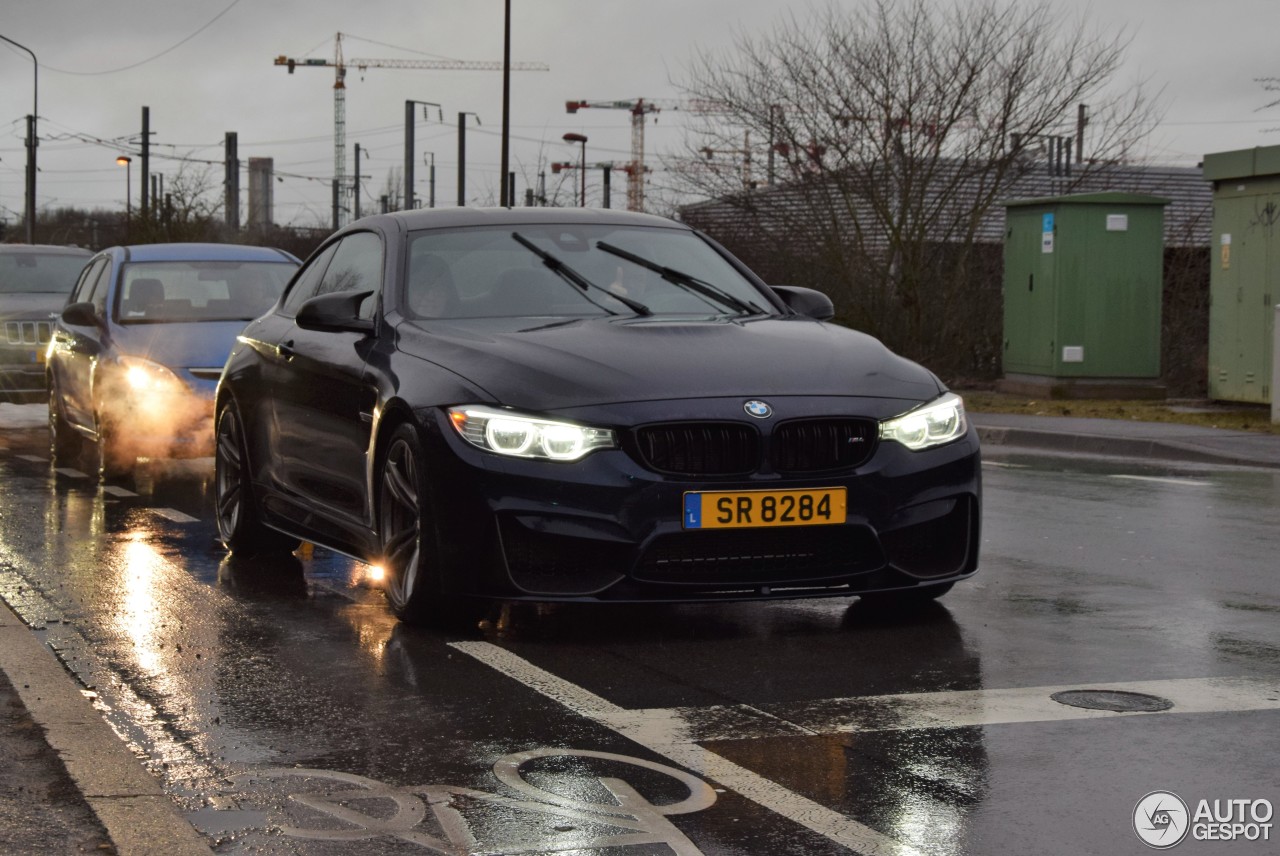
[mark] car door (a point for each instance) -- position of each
(77, 349)
(323, 403)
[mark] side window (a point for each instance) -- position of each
(101, 286)
(84, 287)
(357, 266)
(308, 281)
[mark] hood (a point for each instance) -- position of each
(31, 306)
(596, 361)
(204, 344)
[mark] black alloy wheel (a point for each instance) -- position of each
(234, 506)
(410, 548)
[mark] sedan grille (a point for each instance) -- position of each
(28, 332)
(813, 445)
(699, 448)
(734, 448)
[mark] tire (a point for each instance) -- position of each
(235, 507)
(65, 444)
(907, 599)
(411, 554)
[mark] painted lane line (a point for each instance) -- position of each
(116, 490)
(959, 709)
(35, 459)
(1159, 480)
(70, 473)
(673, 743)
(1005, 465)
(174, 515)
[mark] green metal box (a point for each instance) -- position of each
(1244, 272)
(1083, 284)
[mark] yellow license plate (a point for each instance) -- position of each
(763, 508)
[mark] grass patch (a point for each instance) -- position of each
(1238, 417)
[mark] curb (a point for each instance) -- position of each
(1129, 447)
(140, 818)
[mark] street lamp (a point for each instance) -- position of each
(582, 165)
(32, 140)
(125, 161)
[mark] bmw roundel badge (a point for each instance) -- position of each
(758, 409)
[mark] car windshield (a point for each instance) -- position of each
(170, 291)
(34, 273)
(485, 272)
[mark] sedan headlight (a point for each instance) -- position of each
(509, 433)
(143, 377)
(932, 424)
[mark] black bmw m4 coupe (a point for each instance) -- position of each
(585, 405)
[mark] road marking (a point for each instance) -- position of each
(174, 515)
(641, 821)
(675, 732)
(116, 490)
(967, 708)
(35, 459)
(1179, 482)
(1005, 465)
(651, 731)
(70, 473)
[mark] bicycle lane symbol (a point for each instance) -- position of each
(642, 822)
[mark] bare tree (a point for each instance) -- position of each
(880, 140)
(191, 209)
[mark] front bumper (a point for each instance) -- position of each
(174, 424)
(22, 375)
(607, 529)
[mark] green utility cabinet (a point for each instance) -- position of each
(1244, 272)
(1083, 282)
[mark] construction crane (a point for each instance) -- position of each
(340, 66)
(639, 108)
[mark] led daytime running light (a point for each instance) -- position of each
(516, 435)
(933, 424)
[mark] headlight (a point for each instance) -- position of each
(144, 377)
(510, 433)
(931, 424)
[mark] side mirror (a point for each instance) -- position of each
(337, 311)
(81, 315)
(806, 301)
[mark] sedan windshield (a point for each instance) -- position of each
(485, 272)
(165, 292)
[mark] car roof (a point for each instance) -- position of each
(442, 218)
(202, 252)
(43, 250)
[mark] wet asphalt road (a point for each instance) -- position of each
(287, 712)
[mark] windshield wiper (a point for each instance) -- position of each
(680, 278)
(571, 276)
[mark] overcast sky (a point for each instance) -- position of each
(1205, 57)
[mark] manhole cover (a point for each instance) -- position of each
(1113, 700)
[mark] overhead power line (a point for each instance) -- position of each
(167, 50)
